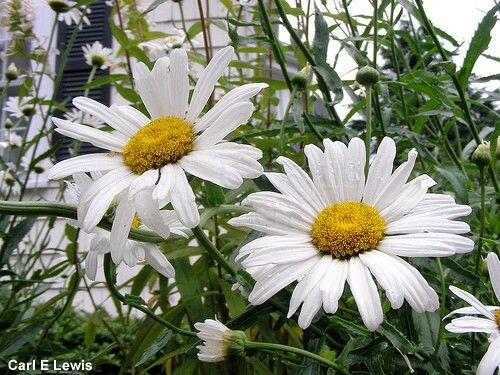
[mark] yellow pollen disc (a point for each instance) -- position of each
(347, 228)
(136, 222)
(497, 317)
(162, 141)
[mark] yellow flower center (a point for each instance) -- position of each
(497, 317)
(346, 229)
(162, 141)
(136, 222)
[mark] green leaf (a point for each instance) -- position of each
(479, 43)
(133, 300)
(15, 236)
(331, 79)
(18, 339)
(321, 36)
(155, 4)
(395, 337)
(214, 194)
(161, 341)
(457, 181)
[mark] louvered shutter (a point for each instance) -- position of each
(76, 71)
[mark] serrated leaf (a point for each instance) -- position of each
(331, 79)
(321, 36)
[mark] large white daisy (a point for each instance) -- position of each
(340, 226)
(489, 323)
(132, 252)
(149, 156)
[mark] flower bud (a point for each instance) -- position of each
(301, 78)
(482, 155)
(59, 6)
(367, 76)
(8, 124)
(235, 344)
(11, 73)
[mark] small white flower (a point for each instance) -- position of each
(76, 115)
(489, 323)
(245, 3)
(9, 182)
(13, 141)
(39, 168)
(20, 107)
(133, 251)
(97, 55)
(69, 12)
(219, 342)
(150, 155)
(341, 226)
(163, 46)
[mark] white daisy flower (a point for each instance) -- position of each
(97, 55)
(39, 167)
(339, 227)
(489, 323)
(13, 140)
(149, 156)
(219, 342)
(161, 47)
(69, 12)
(132, 252)
(76, 115)
(245, 3)
(21, 106)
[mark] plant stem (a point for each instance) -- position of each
(368, 135)
(204, 30)
(290, 349)
(482, 219)
(110, 276)
(283, 121)
(212, 250)
(442, 308)
(127, 55)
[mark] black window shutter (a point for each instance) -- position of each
(76, 71)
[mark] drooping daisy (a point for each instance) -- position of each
(219, 342)
(21, 106)
(13, 140)
(158, 48)
(151, 155)
(97, 55)
(69, 12)
(340, 226)
(132, 252)
(9, 183)
(489, 323)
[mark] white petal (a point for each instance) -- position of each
(473, 301)
(459, 244)
(91, 265)
(99, 138)
(491, 360)
(179, 82)
(122, 222)
(472, 324)
(255, 221)
(392, 187)
(153, 87)
(148, 212)
(310, 307)
(239, 94)
(377, 264)
(269, 244)
(85, 163)
(105, 114)
(135, 118)
(308, 283)
(108, 179)
(302, 183)
(333, 284)
(183, 199)
(164, 184)
(317, 166)
(407, 246)
(494, 271)
(277, 278)
(409, 197)
(354, 172)
(206, 82)
(145, 181)
(159, 261)
(469, 310)
(335, 156)
(365, 293)
(228, 121)
(380, 170)
(428, 224)
(202, 164)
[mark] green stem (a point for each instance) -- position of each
(442, 308)
(375, 33)
(184, 26)
(110, 276)
(311, 126)
(482, 218)
(212, 250)
(368, 135)
(283, 121)
(4, 91)
(290, 349)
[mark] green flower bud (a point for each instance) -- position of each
(11, 73)
(59, 6)
(28, 110)
(8, 124)
(235, 344)
(482, 155)
(301, 78)
(367, 76)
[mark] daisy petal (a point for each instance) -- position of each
(467, 324)
(354, 172)
(158, 261)
(310, 307)
(148, 212)
(135, 118)
(494, 271)
(469, 311)
(473, 301)
(333, 284)
(491, 360)
(365, 293)
(85, 163)
(335, 156)
(122, 222)
(406, 246)
(179, 82)
(206, 82)
(380, 170)
(183, 199)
